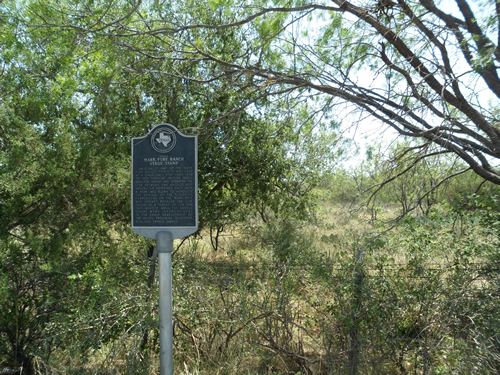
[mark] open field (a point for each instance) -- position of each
(335, 294)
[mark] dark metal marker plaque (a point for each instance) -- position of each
(164, 182)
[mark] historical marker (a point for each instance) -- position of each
(164, 207)
(164, 183)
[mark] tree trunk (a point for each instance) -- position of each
(356, 304)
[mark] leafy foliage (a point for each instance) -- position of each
(297, 284)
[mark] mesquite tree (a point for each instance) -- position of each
(425, 70)
(428, 69)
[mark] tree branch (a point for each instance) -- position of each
(458, 102)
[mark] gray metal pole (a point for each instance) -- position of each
(164, 245)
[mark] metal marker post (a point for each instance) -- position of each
(165, 206)
(164, 245)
